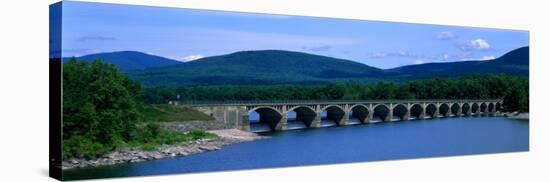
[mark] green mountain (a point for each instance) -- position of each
(130, 60)
(515, 62)
(258, 67)
(287, 67)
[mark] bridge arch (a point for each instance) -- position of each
(399, 112)
(465, 109)
(381, 112)
(431, 110)
(498, 106)
(358, 113)
(455, 109)
(491, 107)
(332, 105)
(444, 109)
(475, 108)
(264, 107)
(300, 117)
(332, 115)
(483, 107)
(416, 111)
(267, 116)
(300, 106)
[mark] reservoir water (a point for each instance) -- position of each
(356, 143)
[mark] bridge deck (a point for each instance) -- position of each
(310, 102)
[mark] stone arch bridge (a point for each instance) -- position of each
(275, 114)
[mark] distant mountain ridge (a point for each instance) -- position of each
(515, 62)
(129, 60)
(288, 67)
(257, 67)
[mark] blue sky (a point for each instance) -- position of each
(186, 35)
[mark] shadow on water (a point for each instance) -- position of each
(258, 127)
(354, 121)
(328, 123)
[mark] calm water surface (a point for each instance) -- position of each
(357, 143)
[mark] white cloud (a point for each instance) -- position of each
(445, 35)
(488, 57)
(484, 58)
(95, 38)
(320, 48)
(192, 57)
(476, 44)
(378, 55)
(419, 61)
(400, 53)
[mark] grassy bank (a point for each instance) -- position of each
(148, 134)
(168, 113)
(152, 135)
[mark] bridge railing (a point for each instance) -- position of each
(302, 102)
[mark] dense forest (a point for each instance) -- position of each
(513, 89)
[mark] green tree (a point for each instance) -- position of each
(99, 104)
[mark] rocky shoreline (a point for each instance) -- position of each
(517, 115)
(129, 155)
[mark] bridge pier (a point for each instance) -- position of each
(494, 109)
(345, 119)
(282, 125)
(370, 114)
(478, 110)
(459, 112)
(436, 114)
(449, 110)
(469, 110)
(389, 117)
(407, 114)
(316, 123)
(423, 112)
